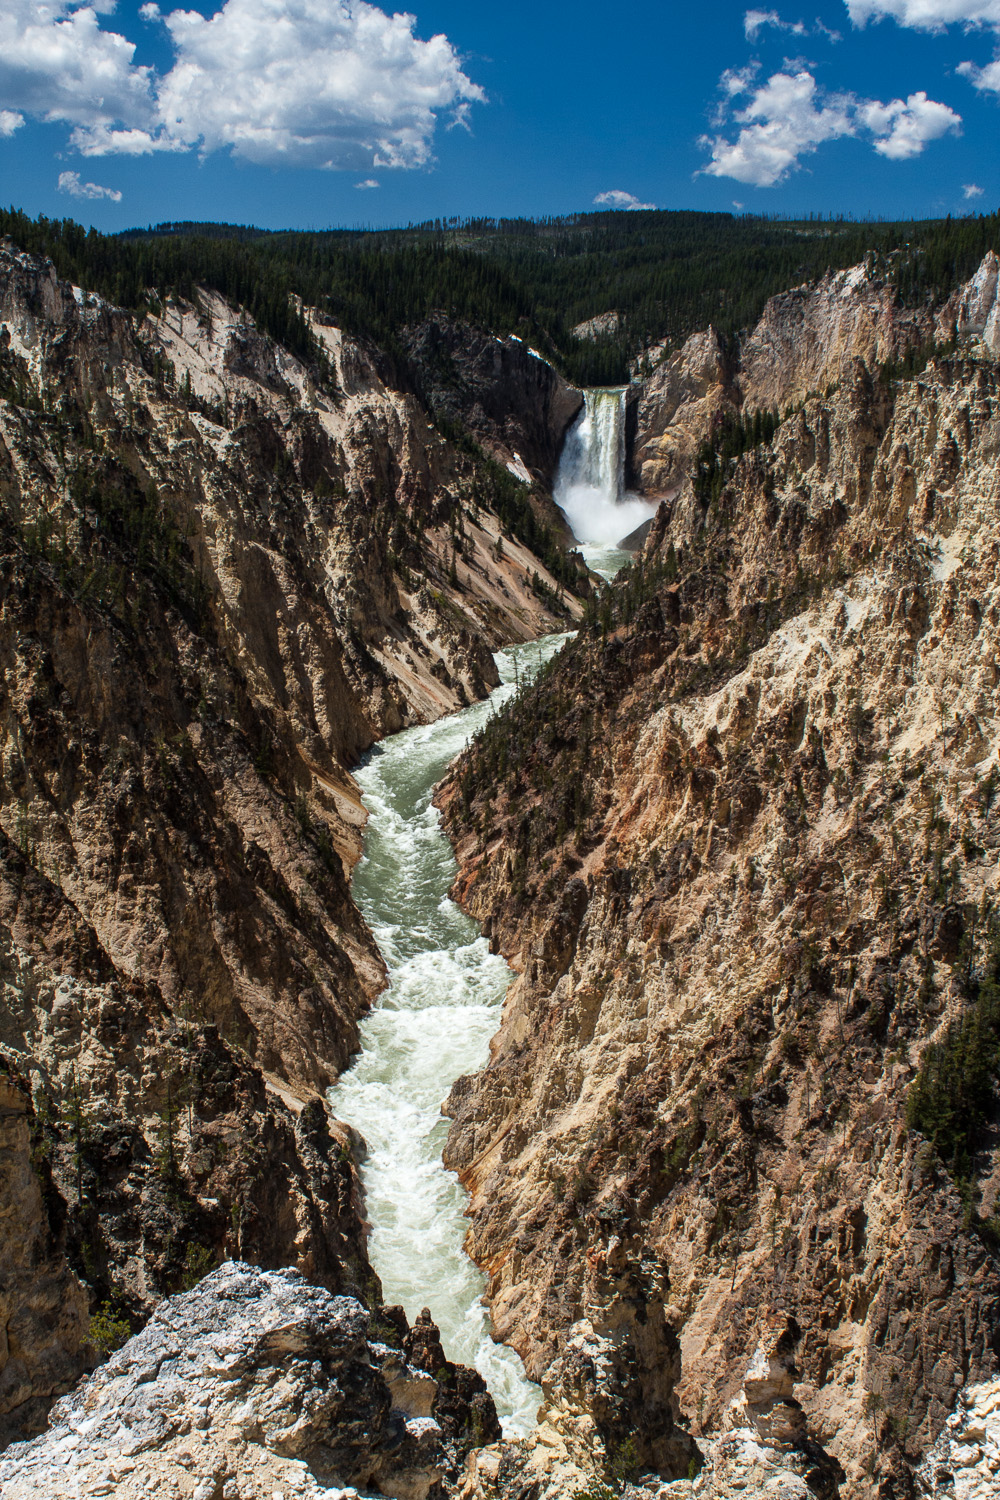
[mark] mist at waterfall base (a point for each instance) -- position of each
(590, 484)
(432, 1024)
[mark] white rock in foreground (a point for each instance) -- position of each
(964, 1463)
(252, 1385)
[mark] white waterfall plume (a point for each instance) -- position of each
(590, 484)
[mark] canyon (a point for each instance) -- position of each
(737, 840)
(221, 584)
(740, 847)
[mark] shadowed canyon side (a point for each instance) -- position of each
(733, 1153)
(225, 573)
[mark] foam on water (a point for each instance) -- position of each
(430, 1026)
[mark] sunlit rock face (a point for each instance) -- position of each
(975, 311)
(764, 1449)
(804, 345)
(254, 1382)
(737, 924)
(965, 1460)
(676, 407)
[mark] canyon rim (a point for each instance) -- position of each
(498, 875)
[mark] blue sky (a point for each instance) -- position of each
(336, 112)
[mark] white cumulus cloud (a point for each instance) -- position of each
(972, 190)
(986, 79)
(69, 182)
(756, 20)
(616, 198)
(314, 83)
(790, 117)
(785, 119)
(57, 64)
(369, 182)
(902, 130)
(321, 83)
(927, 15)
(10, 121)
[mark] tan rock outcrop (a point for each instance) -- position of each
(253, 1384)
(675, 410)
(975, 312)
(767, 1402)
(742, 858)
(804, 344)
(965, 1460)
(808, 339)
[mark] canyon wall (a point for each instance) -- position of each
(740, 844)
(502, 390)
(805, 344)
(224, 574)
(43, 1307)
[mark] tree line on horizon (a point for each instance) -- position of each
(665, 273)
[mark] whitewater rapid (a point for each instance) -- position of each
(432, 1024)
(435, 1020)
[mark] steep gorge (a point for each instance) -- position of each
(225, 574)
(739, 841)
(740, 844)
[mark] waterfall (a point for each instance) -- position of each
(590, 484)
(594, 455)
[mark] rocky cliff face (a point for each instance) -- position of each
(805, 343)
(965, 1460)
(256, 1384)
(223, 575)
(741, 846)
(762, 1451)
(43, 1308)
(502, 390)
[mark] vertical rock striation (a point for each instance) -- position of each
(223, 575)
(741, 845)
(806, 343)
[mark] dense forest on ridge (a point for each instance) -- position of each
(665, 274)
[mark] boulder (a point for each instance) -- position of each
(254, 1383)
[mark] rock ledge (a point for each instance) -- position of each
(255, 1383)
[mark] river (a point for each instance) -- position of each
(442, 1005)
(432, 1024)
